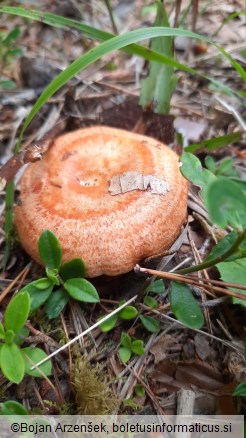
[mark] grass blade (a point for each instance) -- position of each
(115, 43)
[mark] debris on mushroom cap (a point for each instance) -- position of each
(68, 192)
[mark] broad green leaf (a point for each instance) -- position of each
(12, 407)
(39, 291)
(192, 170)
(49, 249)
(56, 303)
(36, 355)
(185, 306)
(150, 302)
(20, 336)
(152, 89)
(125, 340)
(224, 245)
(9, 336)
(226, 203)
(129, 312)
(17, 312)
(82, 290)
(2, 331)
(234, 272)
(139, 390)
(210, 163)
(125, 354)
(137, 347)
(12, 363)
(151, 324)
(75, 268)
(109, 324)
(240, 390)
(225, 167)
(215, 143)
(157, 287)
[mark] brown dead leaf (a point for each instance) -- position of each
(189, 373)
(160, 348)
(202, 346)
(190, 129)
(129, 181)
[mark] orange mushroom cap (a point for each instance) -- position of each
(71, 191)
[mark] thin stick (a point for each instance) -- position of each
(224, 283)
(11, 285)
(183, 279)
(223, 341)
(81, 335)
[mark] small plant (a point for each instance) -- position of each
(224, 195)
(12, 407)
(240, 390)
(14, 360)
(67, 279)
(130, 346)
(128, 313)
(8, 51)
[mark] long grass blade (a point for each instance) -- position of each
(115, 43)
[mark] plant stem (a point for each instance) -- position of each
(221, 258)
(8, 225)
(110, 11)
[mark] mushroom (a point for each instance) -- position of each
(71, 191)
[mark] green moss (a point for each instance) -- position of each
(93, 393)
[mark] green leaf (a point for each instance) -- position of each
(12, 363)
(157, 287)
(20, 336)
(56, 303)
(36, 355)
(12, 407)
(192, 170)
(125, 340)
(7, 84)
(139, 390)
(210, 163)
(137, 347)
(12, 35)
(17, 312)
(234, 272)
(114, 43)
(39, 292)
(52, 275)
(49, 249)
(152, 89)
(150, 302)
(215, 143)
(240, 390)
(185, 306)
(125, 354)
(225, 167)
(2, 331)
(224, 245)
(109, 324)
(82, 290)
(150, 324)
(129, 312)
(75, 268)
(9, 336)
(226, 203)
